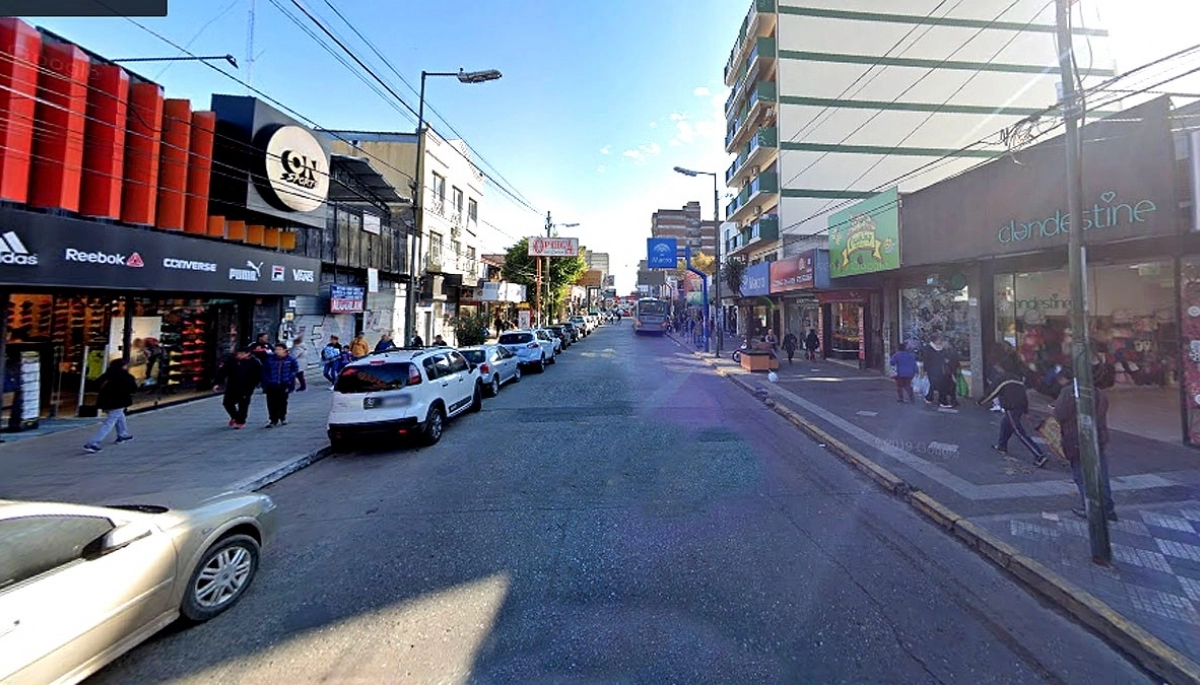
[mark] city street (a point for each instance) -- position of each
(627, 516)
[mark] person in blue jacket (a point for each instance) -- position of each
(278, 380)
(905, 364)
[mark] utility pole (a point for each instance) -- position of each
(1081, 354)
(549, 299)
(720, 322)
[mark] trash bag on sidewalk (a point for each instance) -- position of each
(920, 385)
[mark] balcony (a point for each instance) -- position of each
(760, 19)
(765, 228)
(762, 187)
(759, 152)
(763, 96)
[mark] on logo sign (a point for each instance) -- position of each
(297, 169)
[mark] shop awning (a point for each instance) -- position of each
(367, 177)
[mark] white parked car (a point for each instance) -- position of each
(496, 364)
(546, 336)
(531, 350)
(582, 324)
(407, 392)
(82, 585)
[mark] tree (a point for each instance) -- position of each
(520, 268)
(735, 269)
(471, 329)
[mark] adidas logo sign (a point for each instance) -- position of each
(14, 252)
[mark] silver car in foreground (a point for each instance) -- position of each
(81, 585)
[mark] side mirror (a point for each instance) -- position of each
(120, 537)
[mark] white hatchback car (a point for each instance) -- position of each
(531, 349)
(405, 392)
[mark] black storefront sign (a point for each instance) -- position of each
(43, 250)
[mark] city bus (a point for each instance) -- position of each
(650, 316)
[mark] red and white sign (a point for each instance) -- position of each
(553, 247)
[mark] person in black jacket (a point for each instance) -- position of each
(278, 380)
(116, 395)
(240, 374)
(1009, 388)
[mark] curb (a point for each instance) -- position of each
(282, 470)
(1149, 651)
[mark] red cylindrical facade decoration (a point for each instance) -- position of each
(142, 141)
(58, 139)
(20, 50)
(172, 170)
(199, 172)
(216, 226)
(104, 141)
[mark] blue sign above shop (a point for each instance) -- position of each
(662, 253)
(756, 280)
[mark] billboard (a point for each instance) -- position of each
(661, 253)
(865, 238)
(540, 246)
(756, 280)
(591, 279)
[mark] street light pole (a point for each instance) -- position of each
(418, 188)
(720, 323)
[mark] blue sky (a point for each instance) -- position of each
(598, 101)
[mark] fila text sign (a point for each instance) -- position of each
(553, 247)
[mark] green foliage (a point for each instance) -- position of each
(471, 329)
(520, 268)
(734, 269)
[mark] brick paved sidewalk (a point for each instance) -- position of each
(184, 446)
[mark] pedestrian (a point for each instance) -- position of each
(278, 378)
(261, 348)
(937, 362)
(905, 365)
(771, 340)
(116, 388)
(812, 343)
(1009, 389)
(385, 343)
(1067, 413)
(790, 343)
(417, 340)
(438, 341)
(329, 356)
(299, 352)
(498, 324)
(359, 347)
(237, 377)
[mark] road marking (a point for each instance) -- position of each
(867, 413)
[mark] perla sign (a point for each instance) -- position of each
(297, 169)
(1107, 213)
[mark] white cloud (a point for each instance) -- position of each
(606, 149)
(701, 92)
(643, 151)
(653, 124)
(676, 116)
(601, 169)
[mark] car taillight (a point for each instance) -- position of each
(414, 376)
(483, 368)
(532, 346)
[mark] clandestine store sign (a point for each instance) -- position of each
(347, 299)
(47, 250)
(553, 247)
(866, 237)
(1018, 203)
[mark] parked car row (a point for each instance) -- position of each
(413, 392)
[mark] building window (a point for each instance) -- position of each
(472, 210)
(435, 244)
(439, 186)
(457, 247)
(458, 200)
(471, 253)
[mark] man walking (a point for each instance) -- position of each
(238, 376)
(116, 395)
(790, 343)
(937, 362)
(812, 343)
(329, 356)
(278, 378)
(1009, 389)
(299, 352)
(1067, 413)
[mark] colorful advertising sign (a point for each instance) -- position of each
(346, 299)
(793, 273)
(540, 246)
(662, 253)
(756, 280)
(866, 237)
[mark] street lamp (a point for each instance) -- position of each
(418, 182)
(720, 332)
(204, 58)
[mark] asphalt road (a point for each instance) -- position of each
(627, 517)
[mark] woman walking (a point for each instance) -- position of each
(299, 352)
(812, 343)
(905, 364)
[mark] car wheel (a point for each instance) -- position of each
(477, 398)
(435, 422)
(541, 364)
(221, 577)
(517, 374)
(494, 387)
(554, 358)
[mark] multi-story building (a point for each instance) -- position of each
(687, 226)
(597, 261)
(449, 247)
(814, 123)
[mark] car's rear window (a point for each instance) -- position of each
(474, 356)
(516, 338)
(373, 378)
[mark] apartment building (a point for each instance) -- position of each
(687, 226)
(597, 261)
(835, 100)
(449, 261)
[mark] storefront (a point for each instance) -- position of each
(81, 293)
(794, 281)
(1002, 281)
(755, 309)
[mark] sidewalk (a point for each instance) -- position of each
(177, 447)
(1155, 580)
